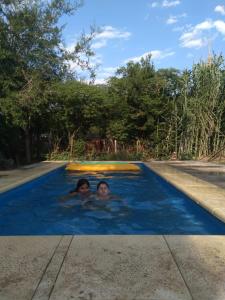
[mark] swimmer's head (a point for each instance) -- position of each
(103, 188)
(82, 186)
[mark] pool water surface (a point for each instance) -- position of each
(144, 204)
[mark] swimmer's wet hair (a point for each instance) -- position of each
(102, 182)
(81, 182)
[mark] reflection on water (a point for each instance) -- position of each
(96, 208)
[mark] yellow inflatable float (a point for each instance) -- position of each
(79, 167)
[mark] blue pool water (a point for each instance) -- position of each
(147, 205)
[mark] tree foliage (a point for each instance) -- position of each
(45, 108)
(32, 56)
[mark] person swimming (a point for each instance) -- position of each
(82, 188)
(103, 191)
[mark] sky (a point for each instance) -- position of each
(177, 33)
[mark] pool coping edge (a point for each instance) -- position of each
(32, 177)
(159, 169)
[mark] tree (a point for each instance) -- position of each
(32, 56)
(74, 109)
(143, 102)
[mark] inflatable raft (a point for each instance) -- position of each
(105, 166)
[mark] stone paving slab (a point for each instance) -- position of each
(210, 172)
(23, 261)
(48, 280)
(201, 261)
(119, 268)
(112, 268)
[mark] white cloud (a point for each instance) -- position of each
(108, 33)
(100, 40)
(99, 44)
(183, 28)
(175, 19)
(155, 55)
(104, 74)
(70, 47)
(194, 43)
(100, 81)
(220, 26)
(108, 71)
(194, 38)
(206, 25)
(220, 9)
(172, 20)
(167, 3)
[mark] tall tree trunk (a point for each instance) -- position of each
(71, 143)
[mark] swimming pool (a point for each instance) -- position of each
(147, 205)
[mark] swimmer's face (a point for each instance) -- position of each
(103, 190)
(84, 189)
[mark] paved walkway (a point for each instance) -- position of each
(115, 267)
(12, 178)
(203, 182)
(211, 172)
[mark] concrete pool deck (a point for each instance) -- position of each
(12, 178)
(161, 267)
(202, 182)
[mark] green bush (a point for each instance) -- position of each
(79, 154)
(65, 155)
(122, 155)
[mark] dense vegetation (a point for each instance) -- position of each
(45, 111)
